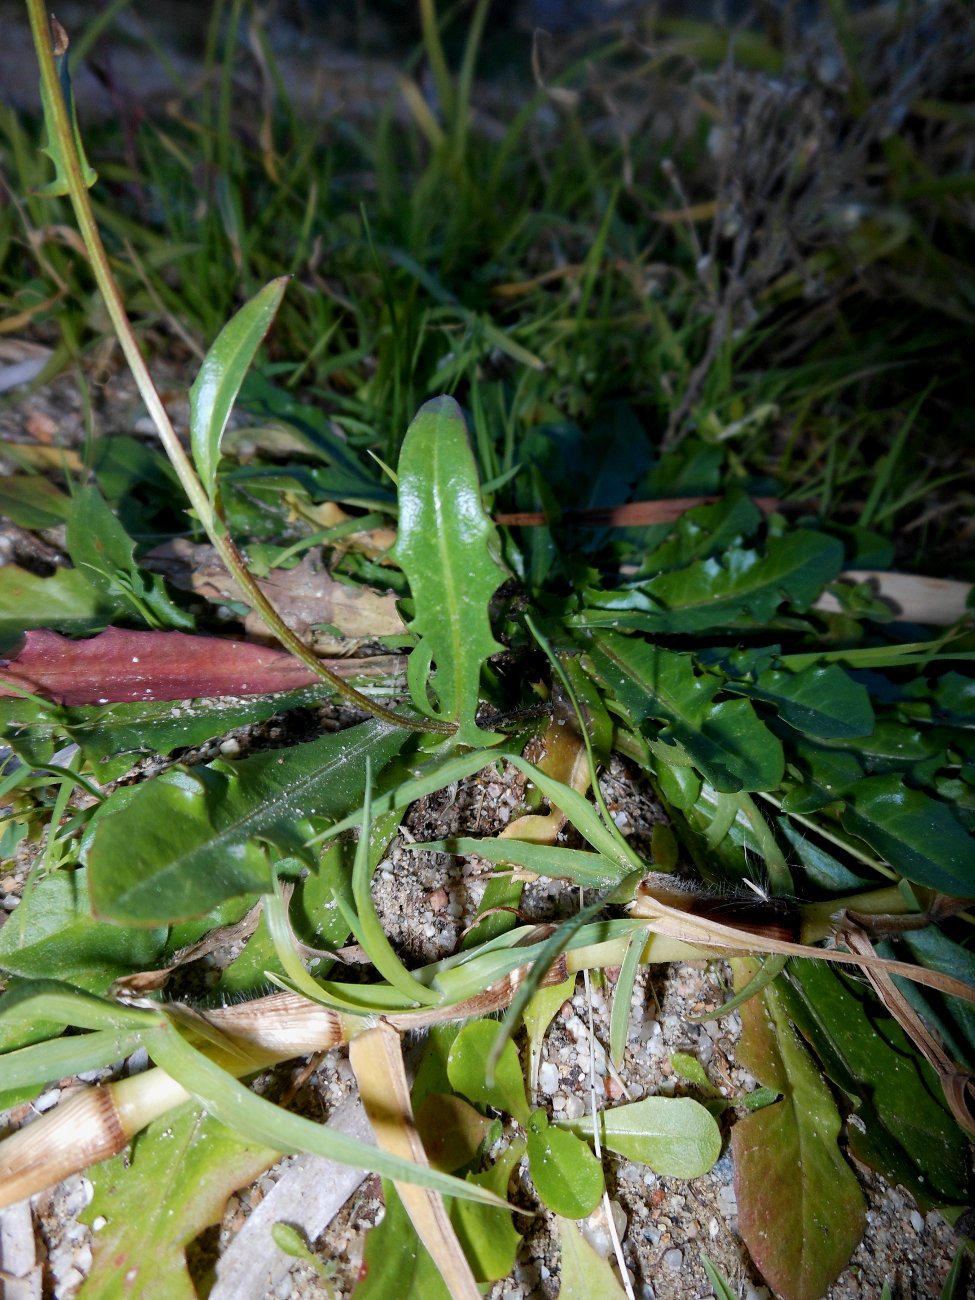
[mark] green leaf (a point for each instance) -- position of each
(397, 1265)
(824, 702)
(726, 742)
(566, 1174)
(742, 589)
(259, 1120)
(451, 1130)
(584, 1274)
(488, 1236)
(102, 550)
(919, 836)
(589, 870)
(53, 148)
(220, 376)
(788, 1169)
(157, 1200)
(673, 1135)
(446, 548)
(902, 1127)
(52, 934)
(704, 531)
(466, 1070)
(176, 846)
(33, 502)
(113, 736)
(64, 602)
(27, 1069)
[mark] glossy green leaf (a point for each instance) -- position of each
(821, 701)
(102, 550)
(704, 531)
(446, 548)
(466, 1070)
(218, 382)
(902, 1126)
(788, 1169)
(673, 1135)
(158, 1199)
(566, 1174)
(727, 742)
(919, 836)
(583, 1273)
(176, 846)
(742, 589)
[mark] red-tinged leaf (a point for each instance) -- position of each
(118, 665)
(800, 1208)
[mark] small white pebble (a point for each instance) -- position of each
(575, 1107)
(673, 1260)
(548, 1078)
(917, 1222)
(98, 1222)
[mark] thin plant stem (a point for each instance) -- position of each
(63, 141)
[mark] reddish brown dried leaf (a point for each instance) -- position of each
(119, 665)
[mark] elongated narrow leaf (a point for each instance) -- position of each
(586, 869)
(788, 1169)
(175, 847)
(259, 1120)
(220, 376)
(919, 836)
(727, 742)
(902, 1127)
(673, 1135)
(445, 549)
(120, 665)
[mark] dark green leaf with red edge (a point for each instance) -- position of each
(800, 1208)
(902, 1127)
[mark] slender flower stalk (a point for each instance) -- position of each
(63, 146)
